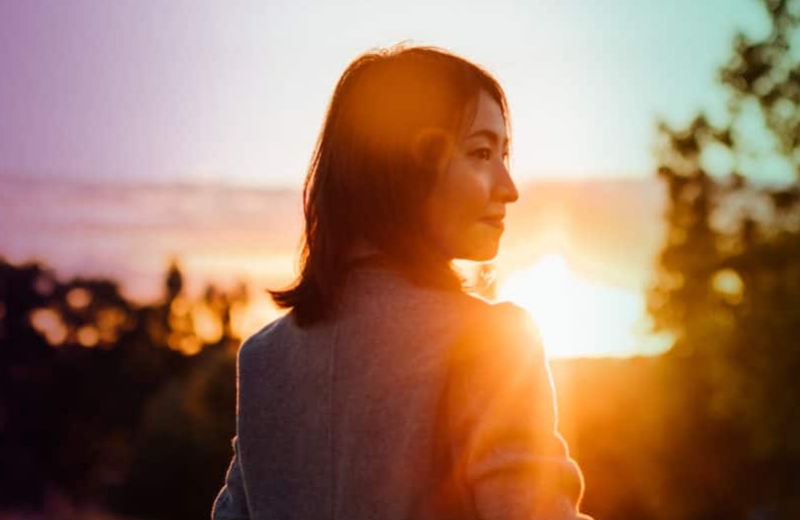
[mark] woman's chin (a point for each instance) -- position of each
(482, 253)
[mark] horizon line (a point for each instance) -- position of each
(94, 180)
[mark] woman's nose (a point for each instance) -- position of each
(505, 189)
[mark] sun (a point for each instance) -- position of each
(577, 316)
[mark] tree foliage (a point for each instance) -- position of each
(728, 280)
(106, 402)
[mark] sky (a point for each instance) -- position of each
(235, 91)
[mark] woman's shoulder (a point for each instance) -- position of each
(468, 313)
(487, 314)
(255, 344)
(497, 328)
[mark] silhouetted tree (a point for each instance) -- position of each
(100, 399)
(728, 286)
(28, 418)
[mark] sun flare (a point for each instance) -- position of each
(577, 316)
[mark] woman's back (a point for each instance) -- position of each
(376, 398)
(409, 403)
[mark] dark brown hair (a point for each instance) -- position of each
(391, 121)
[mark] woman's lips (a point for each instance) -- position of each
(495, 222)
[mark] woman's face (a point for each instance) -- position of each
(467, 207)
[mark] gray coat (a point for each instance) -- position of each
(410, 404)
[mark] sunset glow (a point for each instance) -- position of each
(577, 316)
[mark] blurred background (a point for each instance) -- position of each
(151, 161)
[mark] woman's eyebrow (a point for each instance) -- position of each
(489, 134)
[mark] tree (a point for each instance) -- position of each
(728, 280)
(101, 401)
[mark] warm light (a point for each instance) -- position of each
(109, 321)
(249, 318)
(79, 298)
(49, 323)
(180, 306)
(187, 344)
(87, 336)
(237, 266)
(577, 316)
(729, 284)
(207, 324)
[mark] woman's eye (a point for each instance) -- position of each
(482, 153)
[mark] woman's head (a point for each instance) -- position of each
(410, 162)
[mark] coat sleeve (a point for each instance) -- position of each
(231, 502)
(502, 418)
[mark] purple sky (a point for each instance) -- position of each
(206, 90)
(89, 87)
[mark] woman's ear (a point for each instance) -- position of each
(432, 148)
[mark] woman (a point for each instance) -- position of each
(387, 392)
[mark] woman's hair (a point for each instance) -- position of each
(392, 120)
